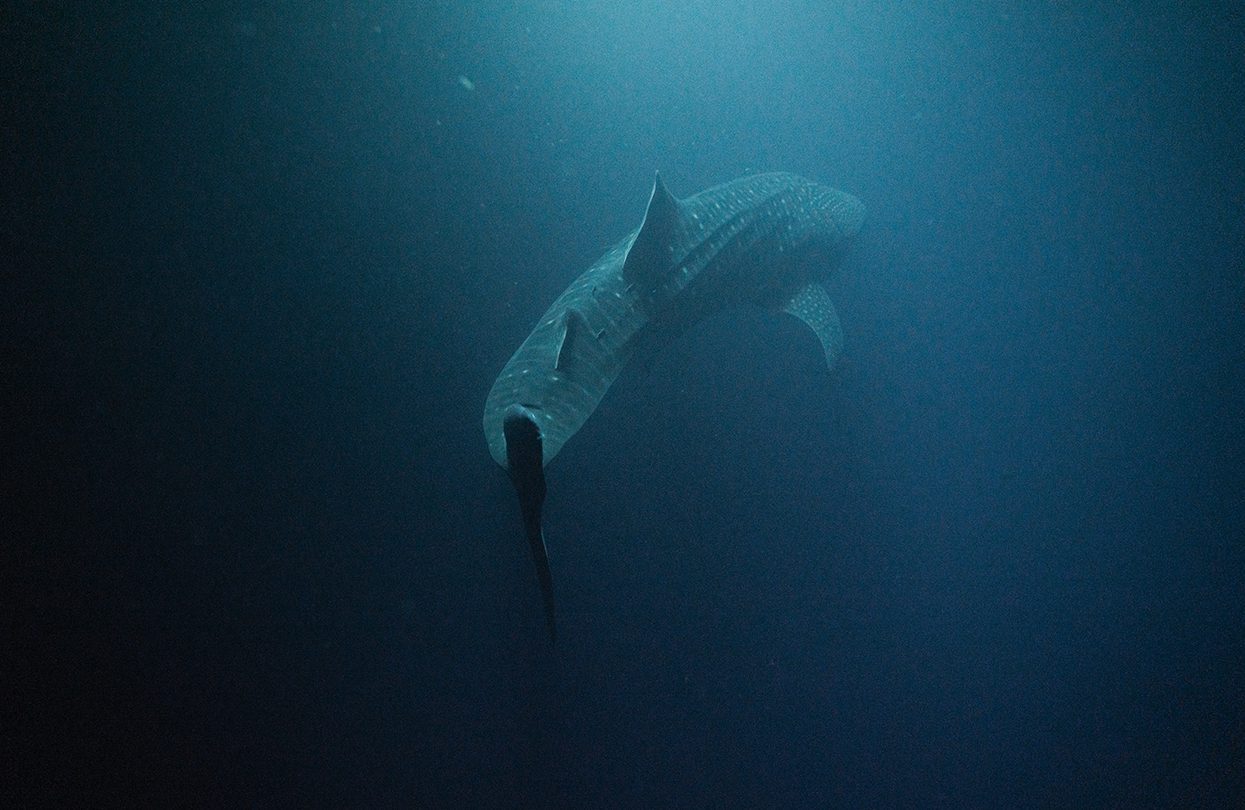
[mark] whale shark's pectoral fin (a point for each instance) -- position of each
(525, 461)
(812, 305)
(649, 258)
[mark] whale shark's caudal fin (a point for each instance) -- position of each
(812, 305)
(525, 461)
(769, 241)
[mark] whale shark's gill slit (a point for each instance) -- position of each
(525, 462)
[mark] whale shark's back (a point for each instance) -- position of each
(689, 258)
(563, 369)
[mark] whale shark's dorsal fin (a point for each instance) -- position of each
(812, 305)
(574, 330)
(648, 258)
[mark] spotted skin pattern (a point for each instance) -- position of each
(746, 242)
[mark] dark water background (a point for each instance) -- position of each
(264, 261)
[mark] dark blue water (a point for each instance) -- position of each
(266, 260)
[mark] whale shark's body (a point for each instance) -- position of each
(765, 240)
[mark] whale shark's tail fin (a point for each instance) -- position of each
(525, 460)
(536, 541)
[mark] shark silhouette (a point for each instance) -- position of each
(765, 240)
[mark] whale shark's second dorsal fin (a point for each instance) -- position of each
(812, 305)
(574, 329)
(649, 258)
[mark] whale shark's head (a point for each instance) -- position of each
(837, 214)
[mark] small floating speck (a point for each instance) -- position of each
(466, 83)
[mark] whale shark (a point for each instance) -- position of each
(766, 240)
